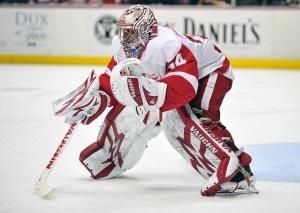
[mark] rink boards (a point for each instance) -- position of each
(251, 37)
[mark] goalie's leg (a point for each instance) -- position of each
(206, 106)
(206, 152)
(121, 142)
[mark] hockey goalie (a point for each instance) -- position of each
(160, 80)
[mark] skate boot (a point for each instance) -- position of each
(244, 181)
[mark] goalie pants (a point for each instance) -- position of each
(210, 95)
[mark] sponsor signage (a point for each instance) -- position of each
(32, 32)
(5, 31)
(240, 33)
(101, 28)
(105, 29)
(237, 33)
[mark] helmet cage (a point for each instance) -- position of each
(139, 23)
(129, 37)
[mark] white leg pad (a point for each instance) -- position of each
(122, 143)
(207, 153)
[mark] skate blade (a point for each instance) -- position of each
(235, 193)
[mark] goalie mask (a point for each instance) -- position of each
(136, 26)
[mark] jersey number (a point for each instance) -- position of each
(178, 61)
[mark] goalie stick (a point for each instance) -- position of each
(41, 187)
(62, 107)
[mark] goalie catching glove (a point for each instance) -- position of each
(85, 103)
(131, 87)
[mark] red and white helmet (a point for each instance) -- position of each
(139, 21)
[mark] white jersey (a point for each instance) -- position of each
(177, 60)
(162, 49)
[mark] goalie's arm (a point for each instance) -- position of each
(180, 90)
(182, 79)
(104, 80)
(175, 89)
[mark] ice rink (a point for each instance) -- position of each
(262, 111)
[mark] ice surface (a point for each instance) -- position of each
(263, 108)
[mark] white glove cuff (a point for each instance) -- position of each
(138, 91)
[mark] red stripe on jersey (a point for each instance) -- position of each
(105, 86)
(105, 81)
(223, 69)
(111, 64)
(217, 49)
(192, 39)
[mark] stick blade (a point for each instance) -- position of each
(41, 188)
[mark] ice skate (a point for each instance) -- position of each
(242, 183)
